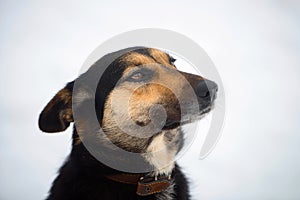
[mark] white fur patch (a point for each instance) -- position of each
(160, 156)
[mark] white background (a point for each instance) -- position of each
(255, 46)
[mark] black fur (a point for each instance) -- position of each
(82, 177)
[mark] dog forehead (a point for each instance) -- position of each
(112, 67)
(145, 56)
(136, 58)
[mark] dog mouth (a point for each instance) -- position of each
(189, 117)
(192, 118)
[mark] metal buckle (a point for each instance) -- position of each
(169, 177)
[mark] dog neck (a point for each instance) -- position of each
(146, 185)
(160, 154)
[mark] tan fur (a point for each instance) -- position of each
(115, 121)
(127, 112)
(77, 141)
(67, 115)
(160, 57)
(135, 59)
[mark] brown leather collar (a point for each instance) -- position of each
(145, 185)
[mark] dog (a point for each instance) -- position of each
(120, 91)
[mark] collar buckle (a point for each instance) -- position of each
(152, 185)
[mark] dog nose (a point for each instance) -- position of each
(206, 89)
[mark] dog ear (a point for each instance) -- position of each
(57, 115)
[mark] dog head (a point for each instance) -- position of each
(140, 102)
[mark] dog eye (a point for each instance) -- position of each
(140, 75)
(137, 76)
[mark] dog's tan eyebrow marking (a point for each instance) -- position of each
(137, 59)
(160, 57)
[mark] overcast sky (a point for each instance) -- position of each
(255, 46)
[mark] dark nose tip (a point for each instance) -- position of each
(207, 89)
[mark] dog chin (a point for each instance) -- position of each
(171, 125)
(188, 119)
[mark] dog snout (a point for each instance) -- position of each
(206, 90)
